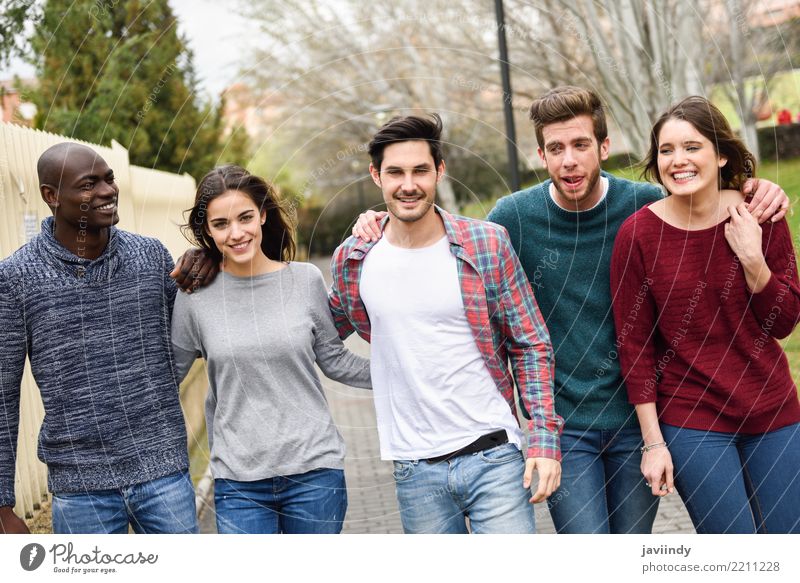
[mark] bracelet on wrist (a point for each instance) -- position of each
(647, 448)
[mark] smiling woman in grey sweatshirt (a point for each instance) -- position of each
(261, 325)
(260, 337)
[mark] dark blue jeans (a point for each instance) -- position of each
(602, 488)
(734, 483)
(162, 506)
(311, 503)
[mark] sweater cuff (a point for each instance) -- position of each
(641, 399)
(642, 391)
(765, 300)
(7, 496)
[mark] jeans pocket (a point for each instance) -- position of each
(501, 454)
(402, 470)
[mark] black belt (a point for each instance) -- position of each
(487, 441)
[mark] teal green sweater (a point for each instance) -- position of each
(567, 257)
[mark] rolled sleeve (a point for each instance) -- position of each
(530, 354)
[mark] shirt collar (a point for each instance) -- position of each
(55, 248)
(452, 231)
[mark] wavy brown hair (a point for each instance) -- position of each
(565, 103)
(277, 241)
(709, 121)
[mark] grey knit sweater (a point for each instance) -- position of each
(97, 334)
(260, 336)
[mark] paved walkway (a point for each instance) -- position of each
(370, 486)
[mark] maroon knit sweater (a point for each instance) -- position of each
(690, 335)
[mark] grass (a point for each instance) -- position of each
(784, 93)
(784, 172)
(787, 174)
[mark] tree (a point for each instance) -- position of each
(110, 70)
(643, 56)
(16, 17)
(341, 71)
(639, 56)
(753, 57)
(344, 71)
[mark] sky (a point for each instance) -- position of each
(218, 36)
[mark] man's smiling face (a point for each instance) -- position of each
(407, 178)
(572, 156)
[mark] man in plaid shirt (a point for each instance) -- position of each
(446, 305)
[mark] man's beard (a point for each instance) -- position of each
(590, 186)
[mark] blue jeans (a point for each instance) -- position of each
(162, 506)
(484, 486)
(311, 503)
(732, 483)
(602, 488)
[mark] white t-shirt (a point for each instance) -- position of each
(433, 391)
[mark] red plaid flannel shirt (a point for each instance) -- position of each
(501, 311)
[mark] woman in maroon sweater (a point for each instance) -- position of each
(702, 292)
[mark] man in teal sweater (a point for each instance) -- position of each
(563, 231)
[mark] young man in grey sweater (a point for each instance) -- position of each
(90, 307)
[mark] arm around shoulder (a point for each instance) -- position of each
(335, 360)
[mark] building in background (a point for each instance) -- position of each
(259, 117)
(773, 12)
(14, 106)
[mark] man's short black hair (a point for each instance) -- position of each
(406, 129)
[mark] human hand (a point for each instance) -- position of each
(10, 523)
(194, 269)
(657, 470)
(368, 225)
(549, 477)
(743, 234)
(769, 200)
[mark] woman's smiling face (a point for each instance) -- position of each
(234, 222)
(688, 163)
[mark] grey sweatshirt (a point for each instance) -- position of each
(266, 411)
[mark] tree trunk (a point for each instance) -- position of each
(750, 136)
(446, 197)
